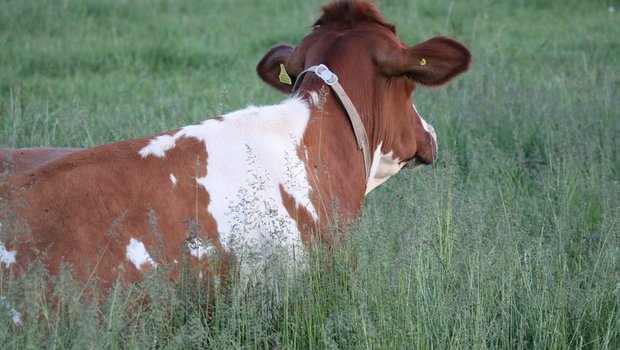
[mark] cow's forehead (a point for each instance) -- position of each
(349, 13)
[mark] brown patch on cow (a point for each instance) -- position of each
(305, 222)
(335, 170)
(93, 202)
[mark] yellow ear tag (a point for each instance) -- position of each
(284, 77)
(423, 62)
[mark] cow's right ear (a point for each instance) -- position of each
(272, 68)
(432, 63)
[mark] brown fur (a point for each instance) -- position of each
(85, 207)
(350, 13)
(14, 160)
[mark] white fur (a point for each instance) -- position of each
(16, 317)
(428, 127)
(158, 146)
(173, 179)
(431, 130)
(382, 168)
(314, 98)
(251, 153)
(385, 166)
(7, 257)
(199, 249)
(137, 254)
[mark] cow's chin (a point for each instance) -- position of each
(414, 163)
(427, 158)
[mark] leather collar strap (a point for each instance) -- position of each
(356, 121)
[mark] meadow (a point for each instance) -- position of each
(510, 241)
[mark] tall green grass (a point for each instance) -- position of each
(511, 241)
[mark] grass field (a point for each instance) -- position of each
(512, 241)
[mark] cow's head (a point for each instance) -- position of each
(378, 71)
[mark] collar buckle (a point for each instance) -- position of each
(324, 73)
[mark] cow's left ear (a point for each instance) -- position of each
(433, 63)
(272, 68)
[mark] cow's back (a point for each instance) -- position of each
(89, 207)
(14, 160)
(212, 188)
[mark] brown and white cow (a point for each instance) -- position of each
(248, 184)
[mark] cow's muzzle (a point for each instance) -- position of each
(427, 148)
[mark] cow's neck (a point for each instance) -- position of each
(335, 164)
(390, 129)
(359, 129)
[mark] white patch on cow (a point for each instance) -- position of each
(137, 254)
(199, 249)
(251, 153)
(314, 98)
(382, 168)
(158, 146)
(173, 179)
(7, 257)
(428, 127)
(16, 317)
(431, 130)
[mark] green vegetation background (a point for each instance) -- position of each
(511, 241)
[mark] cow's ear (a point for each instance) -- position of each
(433, 63)
(272, 68)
